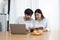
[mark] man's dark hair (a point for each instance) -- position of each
(28, 11)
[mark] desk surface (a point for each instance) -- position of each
(53, 35)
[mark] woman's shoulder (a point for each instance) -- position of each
(45, 20)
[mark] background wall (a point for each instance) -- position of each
(59, 14)
(3, 14)
(50, 9)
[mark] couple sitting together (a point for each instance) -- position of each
(38, 25)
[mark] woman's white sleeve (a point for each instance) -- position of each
(47, 25)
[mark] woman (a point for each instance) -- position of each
(40, 23)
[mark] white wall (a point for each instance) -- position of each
(1, 6)
(17, 8)
(13, 11)
(59, 14)
(50, 9)
(3, 20)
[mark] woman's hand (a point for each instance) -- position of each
(45, 30)
(38, 32)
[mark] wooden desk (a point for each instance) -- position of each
(53, 35)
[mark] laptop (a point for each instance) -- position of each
(18, 28)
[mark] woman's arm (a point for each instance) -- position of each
(46, 28)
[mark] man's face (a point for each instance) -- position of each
(28, 16)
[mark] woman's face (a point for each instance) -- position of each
(38, 16)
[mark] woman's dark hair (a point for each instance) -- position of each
(40, 12)
(28, 11)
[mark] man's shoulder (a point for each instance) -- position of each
(20, 17)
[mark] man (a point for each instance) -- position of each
(26, 19)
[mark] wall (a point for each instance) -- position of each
(50, 9)
(59, 14)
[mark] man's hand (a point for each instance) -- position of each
(27, 30)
